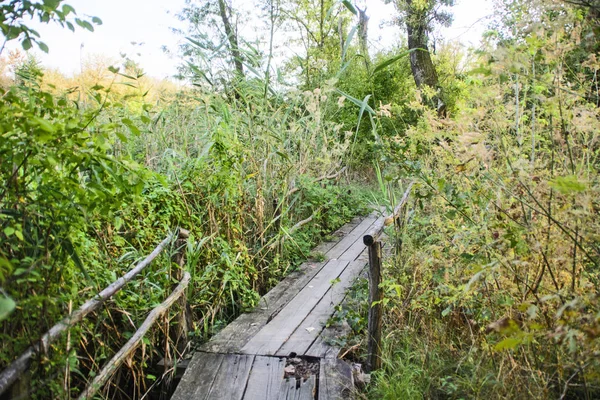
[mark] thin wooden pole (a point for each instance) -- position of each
(375, 307)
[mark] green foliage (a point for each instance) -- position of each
(500, 249)
(14, 26)
(78, 210)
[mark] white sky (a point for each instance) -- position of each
(149, 22)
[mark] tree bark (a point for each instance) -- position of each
(232, 37)
(363, 36)
(421, 64)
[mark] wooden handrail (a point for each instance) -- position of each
(11, 373)
(377, 228)
(135, 340)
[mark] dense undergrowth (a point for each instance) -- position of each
(495, 292)
(89, 191)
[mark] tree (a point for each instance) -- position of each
(363, 35)
(319, 29)
(211, 53)
(419, 17)
(225, 12)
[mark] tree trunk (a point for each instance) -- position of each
(233, 39)
(363, 36)
(420, 59)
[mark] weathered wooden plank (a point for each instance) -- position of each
(230, 382)
(308, 331)
(233, 337)
(321, 348)
(335, 380)
(287, 389)
(199, 377)
(308, 389)
(272, 336)
(265, 379)
(338, 235)
(354, 251)
(357, 234)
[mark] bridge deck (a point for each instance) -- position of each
(280, 350)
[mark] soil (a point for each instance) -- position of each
(301, 368)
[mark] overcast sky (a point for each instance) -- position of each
(148, 23)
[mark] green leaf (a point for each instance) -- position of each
(26, 44)
(121, 136)
(364, 106)
(67, 9)
(7, 306)
(43, 47)
(45, 125)
(348, 41)
(97, 20)
(392, 60)
(9, 231)
(567, 184)
(350, 7)
(84, 24)
(508, 344)
(68, 246)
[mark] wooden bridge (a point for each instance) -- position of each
(281, 349)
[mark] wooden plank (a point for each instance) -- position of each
(270, 338)
(265, 379)
(199, 377)
(233, 337)
(357, 234)
(338, 235)
(287, 389)
(335, 380)
(308, 389)
(308, 331)
(354, 252)
(321, 348)
(231, 379)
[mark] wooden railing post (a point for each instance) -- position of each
(375, 307)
